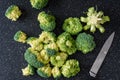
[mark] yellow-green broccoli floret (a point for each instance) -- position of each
(85, 42)
(20, 36)
(39, 4)
(72, 25)
(70, 68)
(56, 72)
(94, 20)
(13, 12)
(58, 59)
(27, 71)
(47, 21)
(66, 43)
(44, 71)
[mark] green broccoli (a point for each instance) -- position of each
(58, 59)
(85, 42)
(66, 43)
(13, 12)
(47, 21)
(20, 36)
(70, 68)
(72, 25)
(39, 4)
(44, 71)
(27, 71)
(94, 20)
(56, 72)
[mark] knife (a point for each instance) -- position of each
(101, 56)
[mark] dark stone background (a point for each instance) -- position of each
(11, 52)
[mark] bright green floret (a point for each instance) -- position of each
(39, 4)
(27, 71)
(66, 43)
(13, 13)
(94, 20)
(72, 25)
(70, 68)
(20, 36)
(47, 21)
(85, 42)
(56, 72)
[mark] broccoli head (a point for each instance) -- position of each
(13, 13)
(66, 43)
(38, 4)
(85, 42)
(70, 68)
(56, 72)
(47, 21)
(72, 25)
(44, 71)
(94, 20)
(20, 36)
(27, 71)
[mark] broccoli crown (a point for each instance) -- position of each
(50, 52)
(58, 59)
(66, 43)
(70, 68)
(13, 12)
(44, 71)
(47, 21)
(94, 20)
(38, 4)
(27, 71)
(20, 36)
(56, 72)
(72, 25)
(85, 42)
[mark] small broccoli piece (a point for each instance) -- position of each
(13, 13)
(85, 42)
(58, 59)
(66, 43)
(94, 20)
(72, 25)
(70, 68)
(56, 72)
(27, 71)
(47, 21)
(20, 36)
(44, 71)
(38, 4)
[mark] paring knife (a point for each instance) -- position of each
(101, 56)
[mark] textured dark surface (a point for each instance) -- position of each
(11, 52)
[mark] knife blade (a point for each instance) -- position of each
(101, 56)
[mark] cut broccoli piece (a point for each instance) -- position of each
(85, 42)
(20, 36)
(56, 72)
(72, 25)
(70, 68)
(94, 20)
(13, 12)
(66, 43)
(47, 21)
(27, 71)
(39, 4)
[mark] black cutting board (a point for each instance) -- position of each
(11, 52)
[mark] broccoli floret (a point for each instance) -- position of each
(58, 59)
(20, 36)
(13, 12)
(85, 42)
(66, 43)
(70, 68)
(47, 21)
(27, 71)
(56, 72)
(39, 4)
(72, 25)
(94, 20)
(44, 71)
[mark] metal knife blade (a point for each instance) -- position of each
(101, 56)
